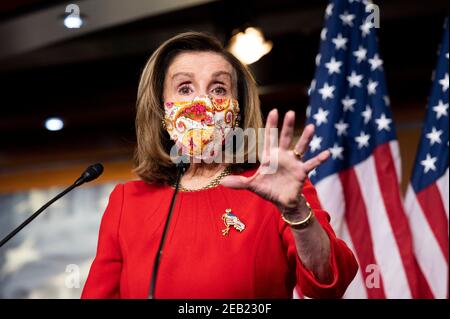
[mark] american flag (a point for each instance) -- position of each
(427, 196)
(359, 184)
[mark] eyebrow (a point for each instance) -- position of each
(215, 74)
(219, 73)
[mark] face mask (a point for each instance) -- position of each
(200, 127)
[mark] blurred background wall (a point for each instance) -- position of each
(88, 78)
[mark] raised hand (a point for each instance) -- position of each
(282, 186)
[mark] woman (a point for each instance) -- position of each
(236, 231)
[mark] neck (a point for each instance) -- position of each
(199, 175)
(204, 170)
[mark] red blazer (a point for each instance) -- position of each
(198, 261)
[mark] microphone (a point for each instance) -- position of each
(91, 173)
(181, 168)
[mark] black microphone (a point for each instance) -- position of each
(181, 168)
(91, 173)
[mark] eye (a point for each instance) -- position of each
(185, 90)
(220, 90)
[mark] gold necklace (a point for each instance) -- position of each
(215, 182)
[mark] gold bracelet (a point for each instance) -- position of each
(303, 223)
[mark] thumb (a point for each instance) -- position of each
(237, 182)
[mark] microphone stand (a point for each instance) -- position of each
(91, 173)
(36, 214)
(181, 168)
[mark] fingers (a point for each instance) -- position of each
(311, 164)
(305, 139)
(236, 182)
(287, 131)
(270, 138)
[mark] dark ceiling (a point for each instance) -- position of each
(91, 80)
(12, 9)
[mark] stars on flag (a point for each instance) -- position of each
(327, 91)
(341, 127)
(308, 111)
(372, 87)
(429, 163)
(336, 151)
(365, 28)
(323, 34)
(434, 136)
(441, 109)
(315, 143)
(350, 107)
(432, 155)
(333, 66)
(383, 123)
(313, 85)
(348, 103)
(367, 114)
(347, 19)
(375, 63)
(362, 140)
(360, 54)
(329, 10)
(321, 116)
(340, 42)
(444, 83)
(354, 79)
(318, 58)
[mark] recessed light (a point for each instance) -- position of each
(54, 124)
(73, 22)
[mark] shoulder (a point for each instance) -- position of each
(138, 198)
(138, 185)
(136, 189)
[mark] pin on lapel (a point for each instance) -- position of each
(231, 220)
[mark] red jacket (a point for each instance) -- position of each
(198, 261)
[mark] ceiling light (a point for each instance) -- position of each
(249, 46)
(54, 124)
(73, 22)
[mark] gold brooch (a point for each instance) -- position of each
(231, 220)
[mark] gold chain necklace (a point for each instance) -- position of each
(215, 182)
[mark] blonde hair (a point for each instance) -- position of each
(152, 160)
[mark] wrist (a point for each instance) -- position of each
(298, 208)
(298, 216)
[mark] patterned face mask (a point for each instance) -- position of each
(200, 127)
